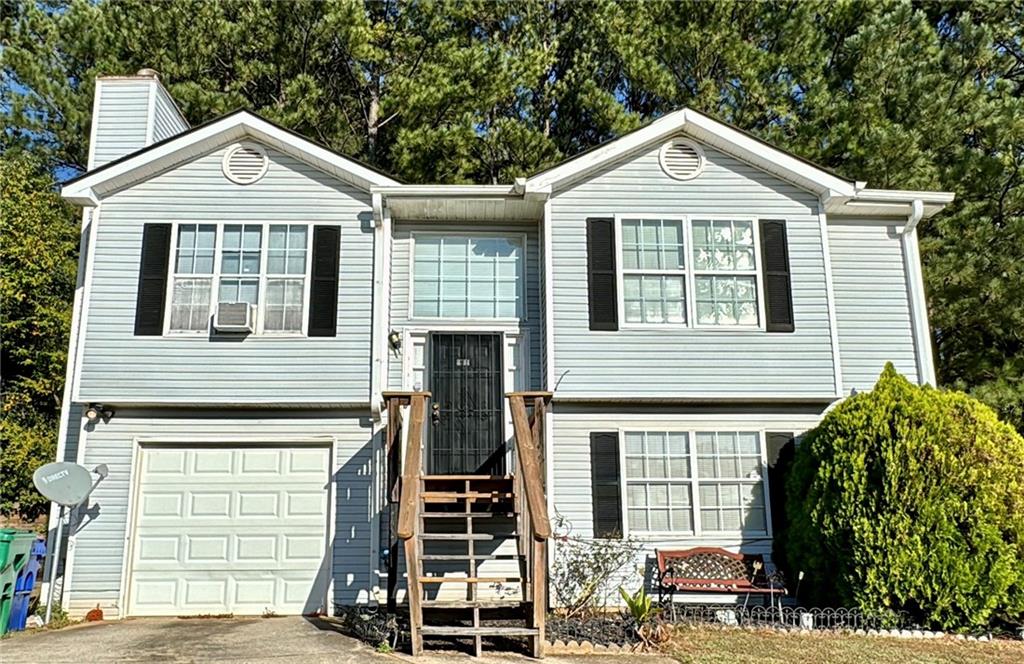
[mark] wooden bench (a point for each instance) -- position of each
(714, 570)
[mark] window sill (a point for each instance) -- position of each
(208, 336)
(673, 327)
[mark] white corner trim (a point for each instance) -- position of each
(830, 296)
(918, 308)
(548, 301)
(151, 112)
(93, 124)
(379, 333)
(79, 326)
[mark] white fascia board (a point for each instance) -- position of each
(89, 189)
(890, 202)
(705, 129)
(447, 191)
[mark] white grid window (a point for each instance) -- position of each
(725, 272)
(193, 277)
(658, 486)
(265, 265)
(653, 271)
(715, 484)
(286, 272)
(731, 484)
(467, 277)
(240, 263)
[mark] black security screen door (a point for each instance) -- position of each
(467, 409)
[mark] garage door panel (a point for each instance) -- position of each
(230, 530)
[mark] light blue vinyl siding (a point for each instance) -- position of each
(688, 362)
(167, 121)
(100, 539)
(120, 367)
(872, 303)
(121, 119)
(573, 513)
(401, 262)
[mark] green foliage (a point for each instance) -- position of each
(37, 281)
(639, 605)
(911, 95)
(908, 498)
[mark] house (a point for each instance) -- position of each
(254, 312)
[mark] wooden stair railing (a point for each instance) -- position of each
(536, 524)
(408, 504)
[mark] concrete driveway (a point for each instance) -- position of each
(284, 640)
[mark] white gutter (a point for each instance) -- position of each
(915, 293)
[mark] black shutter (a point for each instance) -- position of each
(605, 483)
(780, 448)
(149, 303)
(323, 288)
(601, 277)
(778, 293)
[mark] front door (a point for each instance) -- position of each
(467, 406)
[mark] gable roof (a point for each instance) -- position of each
(89, 188)
(696, 125)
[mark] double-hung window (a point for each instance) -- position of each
(463, 276)
(695, 482)
(725, 272)
(192, 281)
(689, 272)
(653, 271)
(263, 265)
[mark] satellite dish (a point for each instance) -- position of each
(63, 482)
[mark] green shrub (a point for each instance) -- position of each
(911, 499)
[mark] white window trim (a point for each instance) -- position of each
(690, 272)
(216, 275)
(413, 319)
(697, 533)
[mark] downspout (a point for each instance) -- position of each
(915, 293)
(381, 230)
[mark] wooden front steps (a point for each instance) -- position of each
(475, 546)
(468, 562)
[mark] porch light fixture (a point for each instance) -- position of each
(96, 412)
(395, 341)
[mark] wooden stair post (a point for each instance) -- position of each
(408, 507)
(529, 433)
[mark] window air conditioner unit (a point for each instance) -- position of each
(234, 317)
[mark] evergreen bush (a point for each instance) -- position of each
(911, 499)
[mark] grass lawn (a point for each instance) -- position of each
(735, 646)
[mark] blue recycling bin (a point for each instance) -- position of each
(23, 585)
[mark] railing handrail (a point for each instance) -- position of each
(412, 465)
(528, 455)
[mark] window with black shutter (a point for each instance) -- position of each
(601, 277)
(778, 300)
(323, 290)
(149, 303)
(606, 484)
(780, 448)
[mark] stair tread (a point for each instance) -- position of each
(467, 536)
(482, 478)
(463, 515)
(458, 630)
(437, 495)
(469, 579)
(463, 556)
(470, 604)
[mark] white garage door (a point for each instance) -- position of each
(229, 529)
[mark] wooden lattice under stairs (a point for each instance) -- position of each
(475, 546)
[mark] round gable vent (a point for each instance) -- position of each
(245, 163)
(682, 159)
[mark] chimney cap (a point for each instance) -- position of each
(152, 73)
